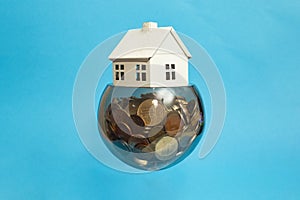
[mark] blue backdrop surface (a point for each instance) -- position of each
(255, 45)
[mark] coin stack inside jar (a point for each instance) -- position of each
(154, 131)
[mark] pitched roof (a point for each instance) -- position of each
(144, 43)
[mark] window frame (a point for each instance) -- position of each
(141, 72)
(119, 74)
(170, 71)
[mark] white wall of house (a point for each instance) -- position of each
(130, 74)
(169, 53)
(158, 71)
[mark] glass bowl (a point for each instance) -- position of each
(150, 128)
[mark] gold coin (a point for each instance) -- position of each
(173, 123)
(166, 148)
(152, 112)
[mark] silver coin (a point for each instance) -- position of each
(166, 148)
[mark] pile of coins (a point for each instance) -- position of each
(155, 131)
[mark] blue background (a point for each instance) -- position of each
(254, 43)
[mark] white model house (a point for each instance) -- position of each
(150, 57)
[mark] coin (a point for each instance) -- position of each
(173, 123)
(137, 120)
(136, 125)
(152, 112)
(119, 115)
(133, 106)
(138, 142)
(123, 131)
(154, 131)
(124, 102)
(120, 144)
(149, 96)
(156, 134)
(181, 101)
(166, 148)
(175, 107)
(110, 131)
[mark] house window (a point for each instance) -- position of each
(140, 72)
(170, 72)
(119, 72)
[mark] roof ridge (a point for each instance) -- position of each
(181, 44)
(164, 39)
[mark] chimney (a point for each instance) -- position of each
(149, 25)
